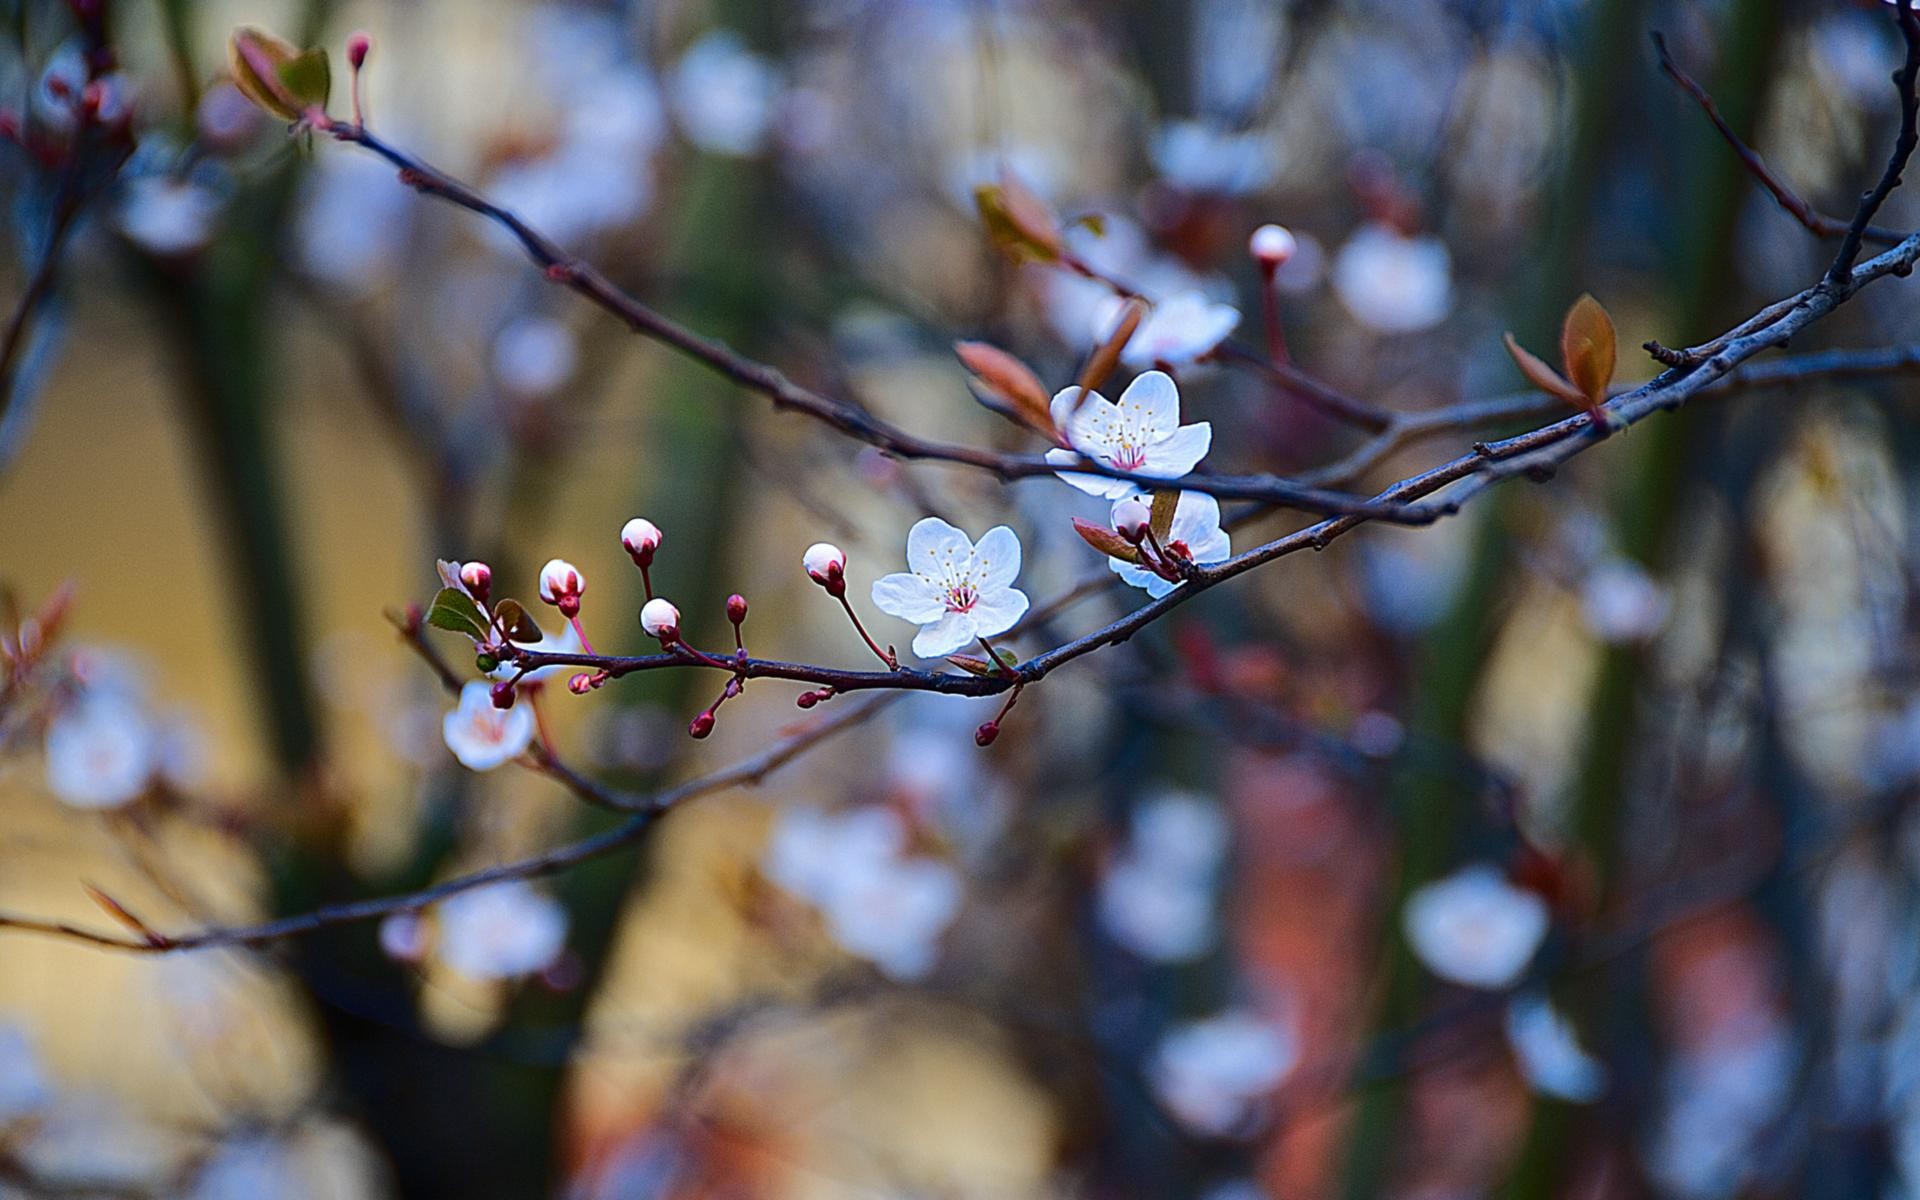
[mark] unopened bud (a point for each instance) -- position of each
(641, 537)
(984, 735)
(736, 608)
(661, 620)
(359, 45)
(478, 580)
(562, 585)
(486, 664)
(502, 694)
(581, 684)
(1131, 519)
(826, 563)
(701, 725)
(1272, 246)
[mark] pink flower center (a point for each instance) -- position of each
(1127, 457)
(961, 597)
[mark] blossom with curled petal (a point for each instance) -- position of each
(954, 590)
(1194, 536)
(1142, 433)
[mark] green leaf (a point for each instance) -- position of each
(454, 610)
(513, 617)
(308, 78)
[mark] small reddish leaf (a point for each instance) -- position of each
(1019, 222)
(1107, 357)
(1544, 377)
(970, 664)
(1010, 380)
(277, 75)
(1105, 540)
(1587, 348)
(512, 616)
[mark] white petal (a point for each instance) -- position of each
(1086, 422)
(1195, 518)
(996, 611)
(933, 546)
(1152, 401)
(950, 633)
(996, 559)
(909, 597)
(1179, 452)
(1092, 485)
(1140, 577)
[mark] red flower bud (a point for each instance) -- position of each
(736, 608)
(984, 735)
(502, 694)
(701, 725)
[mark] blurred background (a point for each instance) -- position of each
(1561, 849)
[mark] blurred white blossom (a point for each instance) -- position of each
(1392, 283)
(1157, 896)
(24, 1089)
(483, 737)
(1202, 157)
(725, 95)
(878, 902)
(1548, 1052)
(534, 356)
(1213, 1074)
(1175, 331)
(1474, 927)
(166, 216)
(101, 750)
(1621, 602)
(501, 930)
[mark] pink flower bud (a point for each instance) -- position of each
(561, 585)
(1131, 519)
(1272, 246)
(478, 578)
(701, 725)
(358, 46)
(641, 537)
(581, 684)
(827, 564)
(661, 620)
(806, 699)
(984, 735)
(502, 694)
(736, 608)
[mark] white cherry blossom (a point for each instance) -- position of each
(1474, 927)
(1194, 535)
(954, 590)
(1175, 331)
(1392, 283)
(1142, 433)
(483, 737)
(501, 930)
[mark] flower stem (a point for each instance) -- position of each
(892, 661)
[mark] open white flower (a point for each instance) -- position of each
(1195, 535)
(1474, 927)
(1175, 331)
(1550, 1056)
(1212, 1074)
(501, 930)
(481, 736)
(1142, 433)
(954, 590)
(1392, 283)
